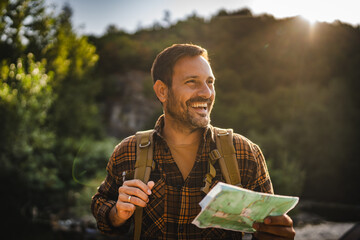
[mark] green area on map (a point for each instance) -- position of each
(234, 208)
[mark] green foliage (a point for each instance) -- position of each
(89, 160)
(24, 27)
(25, 99)
(286, 171)
(30, 27)
(288, 179)
(72, 58)
(26, 141)
(48, 109)
(82, 198)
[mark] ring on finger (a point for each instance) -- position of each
(129, 199)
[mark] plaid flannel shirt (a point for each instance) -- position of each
(174, 202)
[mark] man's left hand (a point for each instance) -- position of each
(275, 227)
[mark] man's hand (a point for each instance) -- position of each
(131, 194)
(279, 227)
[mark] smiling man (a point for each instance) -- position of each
(182, 141)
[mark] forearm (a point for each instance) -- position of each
(102, 203)
(101, 208)
(103, 211)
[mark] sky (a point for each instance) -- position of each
(93, 16)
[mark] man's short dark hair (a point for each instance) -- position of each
(162, 68)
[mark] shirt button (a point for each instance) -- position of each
(179, 187)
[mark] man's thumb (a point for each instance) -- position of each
(151, 184)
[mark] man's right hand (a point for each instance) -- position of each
(131, 194)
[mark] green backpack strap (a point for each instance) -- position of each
(225, 154)
(143, 167)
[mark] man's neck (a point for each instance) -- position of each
(179, 134)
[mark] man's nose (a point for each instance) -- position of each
(206, 91)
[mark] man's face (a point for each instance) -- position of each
(192, 94)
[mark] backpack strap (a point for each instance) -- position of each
(225, 154)
(228, 162)
(143, 166)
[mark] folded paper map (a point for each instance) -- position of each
(234, 208)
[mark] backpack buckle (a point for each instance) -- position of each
(141, 145)
(225, 133)
(214, 155)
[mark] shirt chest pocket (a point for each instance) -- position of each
(158, 191)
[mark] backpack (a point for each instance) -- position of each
(224, 153)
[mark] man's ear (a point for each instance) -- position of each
(161, 90)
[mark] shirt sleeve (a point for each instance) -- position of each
(107, 194)
(252, 165)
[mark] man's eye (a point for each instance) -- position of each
(190, 81)
(211, 82)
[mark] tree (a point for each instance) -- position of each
(72, 59)
(26, 143)
(47, 107)
(25, 27)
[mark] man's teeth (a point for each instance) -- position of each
(197, 105)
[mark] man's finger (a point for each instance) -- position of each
(283, 220)
(132, 191)
(281, 231)
(132, 200)
(138, 184)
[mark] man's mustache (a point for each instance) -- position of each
(199, 100)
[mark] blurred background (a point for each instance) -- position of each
(75, 80)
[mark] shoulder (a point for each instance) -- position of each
(124, 156)
(248, 153)
(125, 147)
(245, 145)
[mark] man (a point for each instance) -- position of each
(183, 138)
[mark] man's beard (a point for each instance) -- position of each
(183, 114)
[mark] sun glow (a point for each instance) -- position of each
(313, 11)
(311, 19)
(313, 16)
